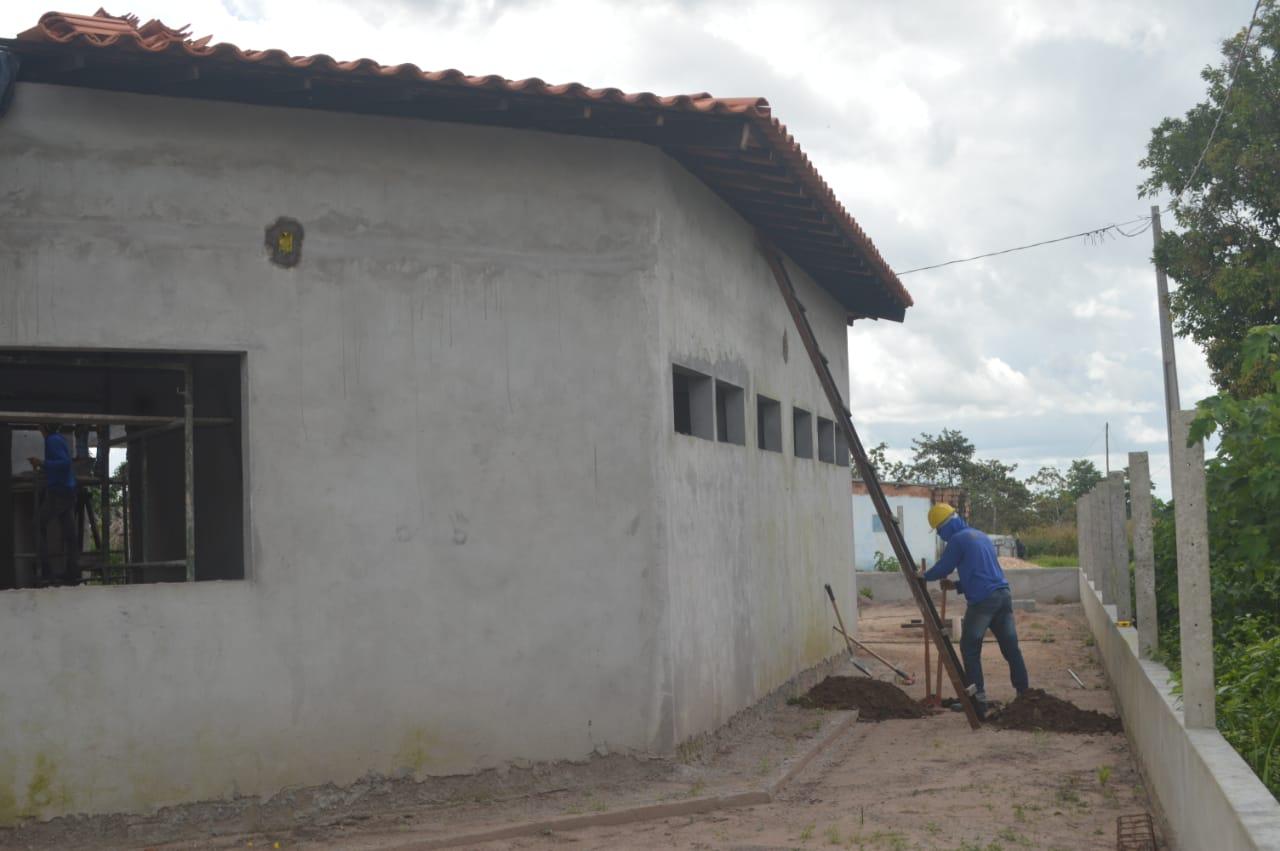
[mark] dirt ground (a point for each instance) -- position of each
(927, 783)
(931, 783)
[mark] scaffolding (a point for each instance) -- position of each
(101, 423)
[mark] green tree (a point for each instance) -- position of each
(1243, 489)
(888, 471)
(942, 459)
(998, 502)
(1050, 499)
(1082, 475)
(1226, 259)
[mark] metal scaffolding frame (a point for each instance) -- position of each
(188, 422)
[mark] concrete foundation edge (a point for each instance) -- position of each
(642, 813)
(1206, 793)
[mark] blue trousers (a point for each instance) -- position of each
(994, 613)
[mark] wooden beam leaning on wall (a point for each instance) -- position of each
(932, 623)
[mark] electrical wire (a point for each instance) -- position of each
(1096, 235)
(1091, 234)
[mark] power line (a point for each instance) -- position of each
(1099, 233)
(1093, 233)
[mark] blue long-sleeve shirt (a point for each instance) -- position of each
(971, 553)
(58, 474)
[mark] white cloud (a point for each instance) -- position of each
(1101, 307)
(1137, 430)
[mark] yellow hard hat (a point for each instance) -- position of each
(939, 514)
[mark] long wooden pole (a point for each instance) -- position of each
(933, 626)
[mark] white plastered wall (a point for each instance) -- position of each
(473, 537)
(453, 539)
(751, 536)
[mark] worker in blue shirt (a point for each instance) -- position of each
(971, 554)
(59, 504)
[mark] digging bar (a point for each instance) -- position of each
(943, 618)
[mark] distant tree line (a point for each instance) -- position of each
(998, 501)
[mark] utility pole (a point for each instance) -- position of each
(1106, 440)
(1171, 401)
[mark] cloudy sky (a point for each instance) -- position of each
(948, 129)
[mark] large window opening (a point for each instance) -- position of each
(137, 474)
(769, 424)
(731, 426)
(693, 402)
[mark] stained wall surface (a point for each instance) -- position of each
(750, 536)
(449, 470)
(472, 536)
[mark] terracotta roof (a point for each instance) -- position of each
(735, 145)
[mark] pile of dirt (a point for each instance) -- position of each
(875, 700)
(1035, 709)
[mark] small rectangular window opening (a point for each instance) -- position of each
(802, 430)
(769, 424)
(731, 414)
(826, 440)
(842, 449)
(693, 403)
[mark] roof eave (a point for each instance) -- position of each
(734, 146)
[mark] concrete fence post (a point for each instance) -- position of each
(1102, 541)
(1095, 567)
(1088, 557)
(1144, 555)
(1120, 589)
(1195, 615)
(1082, 534)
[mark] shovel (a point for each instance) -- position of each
(848, 642)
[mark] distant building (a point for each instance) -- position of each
(910, 504)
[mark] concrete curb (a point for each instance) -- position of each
(803, 762)
(693, 806)
(1202, 788)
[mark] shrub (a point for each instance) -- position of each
(1054, 561)
(1247, 666)
(884, 564)
(1056, 540)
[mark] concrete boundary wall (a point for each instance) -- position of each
(1042, 584)
(1206, 793)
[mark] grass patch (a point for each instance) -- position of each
(1048, 560)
